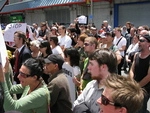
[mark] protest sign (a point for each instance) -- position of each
(11, 29)
(3, 52)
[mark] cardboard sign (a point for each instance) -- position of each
(11, 29)
(83, 19)
(3, 52)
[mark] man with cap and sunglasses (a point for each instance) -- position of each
(121, 95)
(140, 69)
(60, 100)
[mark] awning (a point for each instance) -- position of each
(37, 4)
(2, 4)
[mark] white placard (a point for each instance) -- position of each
(3, 51)
(11, 29)
(30, 32)
(68, 70)
(82, 19)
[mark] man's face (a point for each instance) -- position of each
(143, 44)
(17, 40)
(107, 93)
(49, 68)
(94, 69)
(87, 46)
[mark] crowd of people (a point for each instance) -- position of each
(97, 57)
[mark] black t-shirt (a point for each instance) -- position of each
(141, 70)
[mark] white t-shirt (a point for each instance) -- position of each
(58, 51)
(121, 43)
(65, 41)
(76, 71)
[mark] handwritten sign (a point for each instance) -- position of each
(11, 29)
(3, 52)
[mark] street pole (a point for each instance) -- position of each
(91, 16)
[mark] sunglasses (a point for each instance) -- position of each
(142, 40)
(23, 74)
(105, 101)
(87, 44)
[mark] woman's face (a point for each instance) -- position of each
(24, 76)
(80, 43)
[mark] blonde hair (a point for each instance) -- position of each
(126, 92)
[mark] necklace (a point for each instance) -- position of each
(35, 87)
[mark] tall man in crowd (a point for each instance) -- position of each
(101, 64)
(120, 42)
(140, 69)
(22, 52)
(90, 44)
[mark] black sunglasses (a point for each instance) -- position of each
(142, 40)
(23, 74)
(105, 101)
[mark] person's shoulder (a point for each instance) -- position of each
(92, 83)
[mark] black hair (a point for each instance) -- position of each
(55, 40)
(45, 43)
(74, 56)
(35, 66)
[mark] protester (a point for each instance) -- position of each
(120, 95)
(45, 50)
(22, 52)
(35, 95)
(72, 57)
(35, 48)
(63, 39)
(140, 69)
(120, 42)
(102, 63)
(90, 44)
(56, 49)
(58, 85)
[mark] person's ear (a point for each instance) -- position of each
(123, 110)
(35, 77)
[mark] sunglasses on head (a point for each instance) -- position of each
(105, 101)
(142, 40)
(23, 74)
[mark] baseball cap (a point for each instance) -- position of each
(147, 37)
(57, 59)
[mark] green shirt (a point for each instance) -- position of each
(35, 102)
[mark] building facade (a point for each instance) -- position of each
(116, 12)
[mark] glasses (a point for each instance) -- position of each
(86, 44)
(105, 101)
(142, 40)
(23, 74)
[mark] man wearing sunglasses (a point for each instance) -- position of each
(101, 64)
(140, 69)
(120, 95)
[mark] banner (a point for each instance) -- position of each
(68, 70)
(11, 29)
(3, 52)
